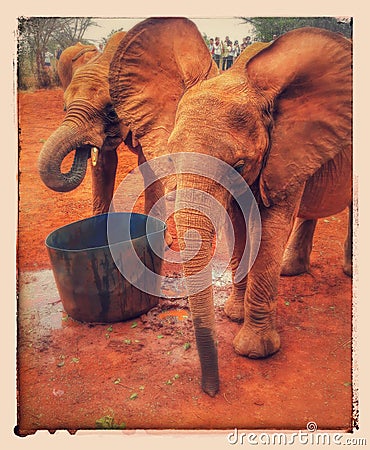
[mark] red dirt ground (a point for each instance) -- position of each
(77, 376)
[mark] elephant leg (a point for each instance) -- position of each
(103, 178)
(258, 337)
(297, 253)
(234, 305)
(154, 191)
(347, 266)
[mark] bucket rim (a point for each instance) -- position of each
(108, 245)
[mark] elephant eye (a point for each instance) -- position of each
(111, 113)
(238, 166)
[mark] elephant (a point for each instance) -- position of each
(282, 119)
(71, 59)
(90, 123)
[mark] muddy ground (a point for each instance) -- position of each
(144, 373)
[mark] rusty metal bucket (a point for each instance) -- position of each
(91, 285)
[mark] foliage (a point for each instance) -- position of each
(108, 423)
(36, 36)
(72, 30)
(206, 39)
(266, 27)
(106, 39)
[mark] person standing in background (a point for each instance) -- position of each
(211, 47)
(217, 51)
(47, 63)
(58, 53)
(230, 56)
(224, 52)
(245, 43)
(237, 50)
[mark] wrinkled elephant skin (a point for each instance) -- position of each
(281, 116)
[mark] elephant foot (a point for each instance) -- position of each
(210, 388)
(256, 345)
(294, 266)
(347, 269)
(234, 309)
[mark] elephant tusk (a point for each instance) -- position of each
(94, 156)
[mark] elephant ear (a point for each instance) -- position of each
(249, 52)
(155, 63)
(306, 78)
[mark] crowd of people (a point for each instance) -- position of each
(224, 53)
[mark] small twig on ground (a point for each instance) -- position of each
(54, 303)
(123, 385)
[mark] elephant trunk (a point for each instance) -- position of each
(195, 235)
(63, 141)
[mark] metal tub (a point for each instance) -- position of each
(99, 266)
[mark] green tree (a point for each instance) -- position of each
(206, 39)
(266, 27)
(72, 30)
(36, 36)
